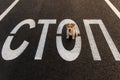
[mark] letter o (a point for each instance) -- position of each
(66, 54)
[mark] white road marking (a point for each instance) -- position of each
(42, 41)
(7, 52)
(109, 40)
(8, 9)
(113, 8)
(93, 46)
(68, 55)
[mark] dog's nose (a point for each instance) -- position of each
(69, 30)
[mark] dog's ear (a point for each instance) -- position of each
(72, 25)
(66, 25)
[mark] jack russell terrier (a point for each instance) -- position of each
(71, 30)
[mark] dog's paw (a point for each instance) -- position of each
(67, 37)
(73, 38)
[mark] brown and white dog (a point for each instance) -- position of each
(71, 30)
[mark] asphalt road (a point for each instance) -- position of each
(52, 66)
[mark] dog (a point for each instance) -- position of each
(71, 30)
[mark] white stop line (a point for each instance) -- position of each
(113, 8)
(8, 9)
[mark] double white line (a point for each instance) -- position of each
(16, 1)
(8, 9)
(113, 8)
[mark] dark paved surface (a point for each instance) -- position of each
(52, 66)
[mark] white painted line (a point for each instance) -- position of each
(113, 8)
(68, 55)
(42, 41)
(108, 38)
(8, 9)
(93, 46)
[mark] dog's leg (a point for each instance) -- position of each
(73, 36)
(67, 36)
(76, 33)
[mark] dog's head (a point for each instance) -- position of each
(70, 26)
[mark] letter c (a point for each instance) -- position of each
(7, 53)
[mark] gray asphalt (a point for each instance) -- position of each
(52, 66)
